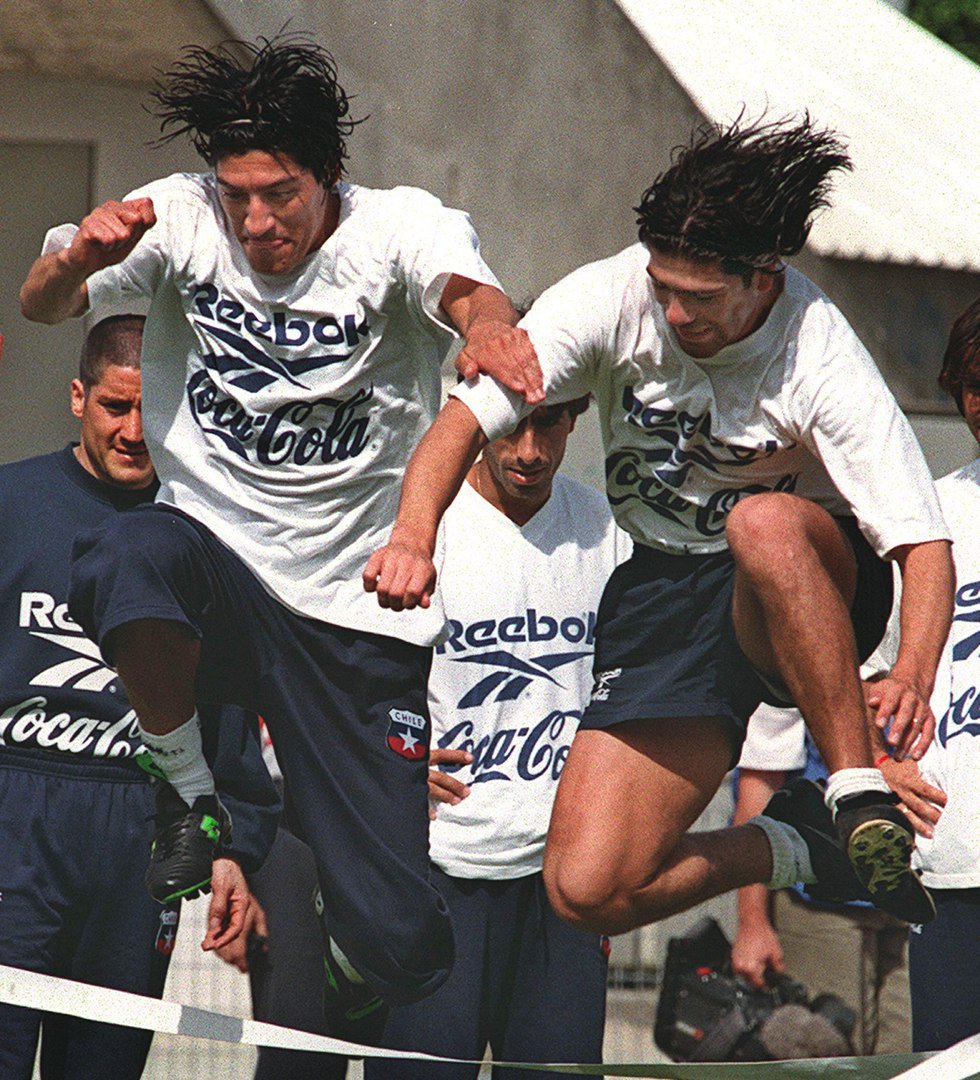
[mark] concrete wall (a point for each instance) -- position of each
(546, 129)
(903, 315)
(65, 145)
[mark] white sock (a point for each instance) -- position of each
(853, 782)
(790, 855)
(346, 966)
(180, 758)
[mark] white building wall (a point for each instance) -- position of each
(41, 119)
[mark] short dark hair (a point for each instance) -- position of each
(962, 357)
(743, 194)
(280, 96)
(114, 341)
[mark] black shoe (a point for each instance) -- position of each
(352, 1011)
(879, 840)
(800, 804)
(186, 842)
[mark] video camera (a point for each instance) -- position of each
(705, 1013)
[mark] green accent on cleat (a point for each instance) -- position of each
(331, 980)
(189, 893)
(186, 841)
(365, 1010)
(211, 828)
(145, 761)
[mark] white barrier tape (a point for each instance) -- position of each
(959, 1062)
(51, 994)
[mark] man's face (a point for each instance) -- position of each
(707, 308)
(112, 447)
(523, 464)
(276, 208)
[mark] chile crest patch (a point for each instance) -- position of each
(167, 931)
(408, 734)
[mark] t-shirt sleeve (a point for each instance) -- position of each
(848, 418)
(434, 242)
(570, 327)
(774, 740)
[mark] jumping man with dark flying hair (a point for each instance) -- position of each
(291, 363)
(767, 476)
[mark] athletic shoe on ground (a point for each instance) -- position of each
(185, 843)
(879, 840)
(800, 804)
(352, 1011)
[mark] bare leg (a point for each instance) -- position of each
(618, 854)
(794, 585)
(157, 661)
(795, 582)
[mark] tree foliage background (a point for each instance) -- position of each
(957, 22)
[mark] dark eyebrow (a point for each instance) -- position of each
(709, 289)
(289, 181)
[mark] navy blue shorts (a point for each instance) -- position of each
(76, 837)
(337, 703)
(944, 971)
(665, 640)
(525, 983)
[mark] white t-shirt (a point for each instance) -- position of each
(796, 406)
(775, 740)
(510, 682)
(951, 858)
(280, 411)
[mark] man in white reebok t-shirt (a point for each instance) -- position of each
(526, 556)
(290, 364)
(766, 476)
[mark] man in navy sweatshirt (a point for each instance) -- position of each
(76, 809)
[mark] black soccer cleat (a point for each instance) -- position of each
(352, 1011)
(879, 841)
(800, 804)
(186, 841)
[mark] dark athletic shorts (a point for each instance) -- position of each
(347, 712)
(665, 640)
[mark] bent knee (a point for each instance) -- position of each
(769, 521)
(413, 965)
(754, 518)
(594, 901)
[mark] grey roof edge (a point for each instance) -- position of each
(864, 222)
(250, 21)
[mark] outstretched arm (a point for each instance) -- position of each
(402, 573)
(901, 699)
(55, 288)
(494, 344)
